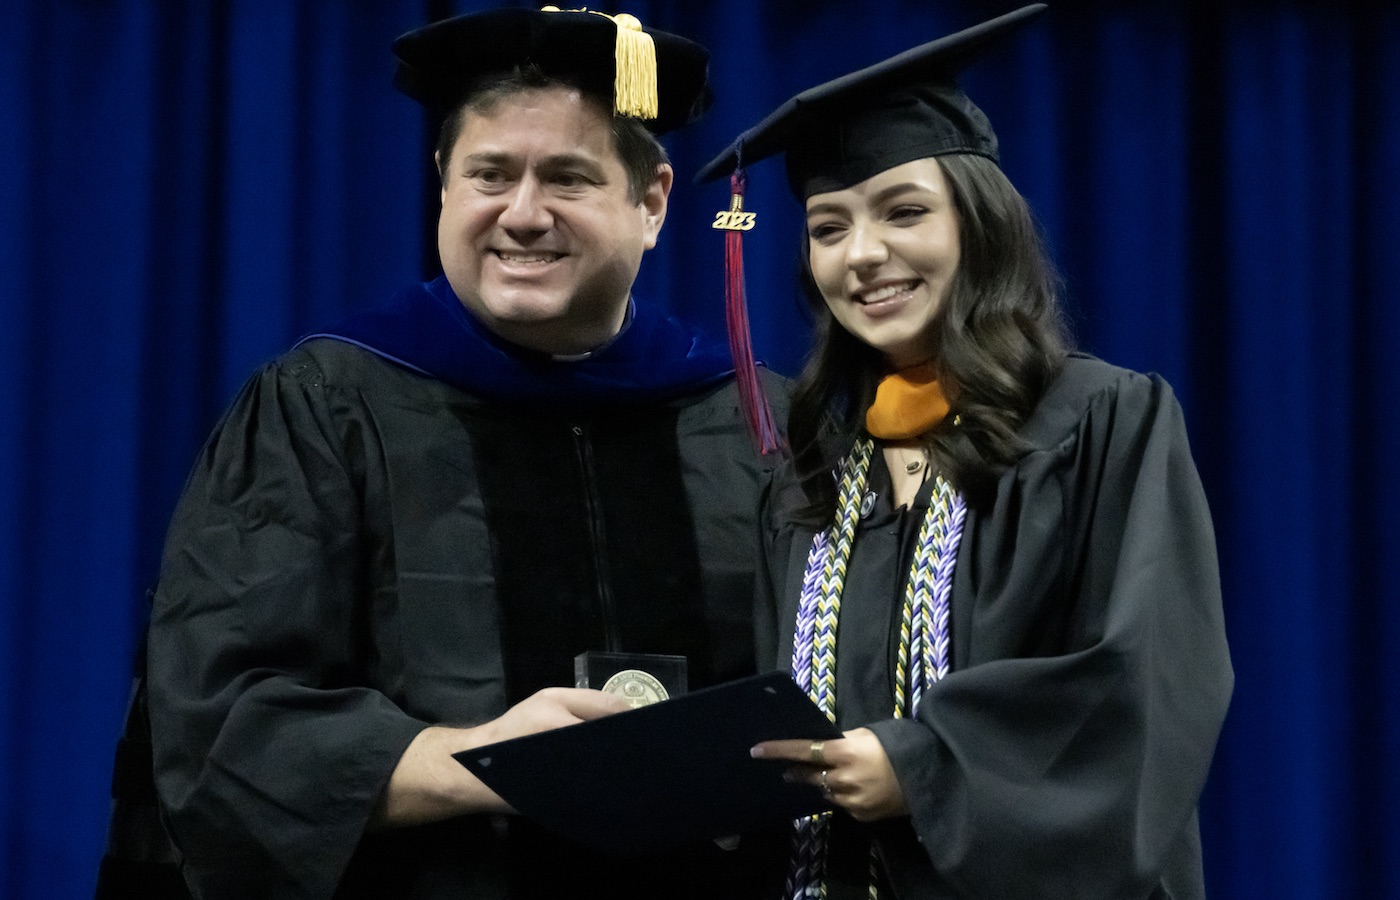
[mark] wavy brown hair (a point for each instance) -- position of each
(1000, 340)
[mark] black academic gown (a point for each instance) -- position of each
(1064, 754)
(362, 551)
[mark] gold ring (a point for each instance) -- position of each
(818, 752)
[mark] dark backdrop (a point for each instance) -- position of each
(185, 187)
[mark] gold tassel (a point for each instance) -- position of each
(634, 59)
(634, 88)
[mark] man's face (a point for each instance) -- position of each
(538, 236)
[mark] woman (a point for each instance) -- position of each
(1007, 597)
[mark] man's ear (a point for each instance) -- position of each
(654, 203)
(442, 176)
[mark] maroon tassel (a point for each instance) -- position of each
(736, 314)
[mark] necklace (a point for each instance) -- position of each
(912, 458)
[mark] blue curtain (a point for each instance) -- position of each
(186, 187)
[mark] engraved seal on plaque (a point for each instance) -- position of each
(636, 687)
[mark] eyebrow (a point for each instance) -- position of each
(904, 187)
(556, 161)
(881, 196)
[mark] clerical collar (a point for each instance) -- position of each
(626, 323)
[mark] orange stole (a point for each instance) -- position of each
(908, 403)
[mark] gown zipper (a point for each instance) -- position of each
(607, 605)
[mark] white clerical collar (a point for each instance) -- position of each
(587, 354)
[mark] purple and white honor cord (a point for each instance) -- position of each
(924, 630)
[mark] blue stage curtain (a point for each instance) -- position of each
(185, 187)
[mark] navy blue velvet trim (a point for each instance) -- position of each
(427, 329)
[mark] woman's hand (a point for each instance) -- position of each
(854, 772)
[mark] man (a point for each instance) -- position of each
(405, 529)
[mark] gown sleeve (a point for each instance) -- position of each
(268, 756)
(1065, 754)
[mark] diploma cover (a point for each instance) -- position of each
(665, 774)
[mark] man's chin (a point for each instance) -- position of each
(523, 308)
(550, 324)
(550, 334)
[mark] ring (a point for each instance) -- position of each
(818, 752)
(826, 789)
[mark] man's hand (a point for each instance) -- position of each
(549, 709)
(853, 772)
(428, 784)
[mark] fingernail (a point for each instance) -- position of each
(756, 752)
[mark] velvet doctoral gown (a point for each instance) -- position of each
(405, 522)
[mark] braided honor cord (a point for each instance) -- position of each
(924, 631)
(923, 623)
(814, 651)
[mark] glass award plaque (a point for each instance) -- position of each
(639, 678)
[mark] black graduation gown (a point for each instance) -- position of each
(362, 551)
(1064, 754)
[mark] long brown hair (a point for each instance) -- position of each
(1001, 339)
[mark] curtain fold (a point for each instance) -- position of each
(185, 188)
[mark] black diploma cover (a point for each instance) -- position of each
(664, 774)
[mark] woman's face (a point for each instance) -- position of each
(883, 254)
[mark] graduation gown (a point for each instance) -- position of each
(1064, 754)
(364, 549)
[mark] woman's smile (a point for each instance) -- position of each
(886, 298)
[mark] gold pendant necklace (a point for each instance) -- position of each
(912, 458)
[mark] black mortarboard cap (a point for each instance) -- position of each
(442, 63)
(840, 133)
(905, 108)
